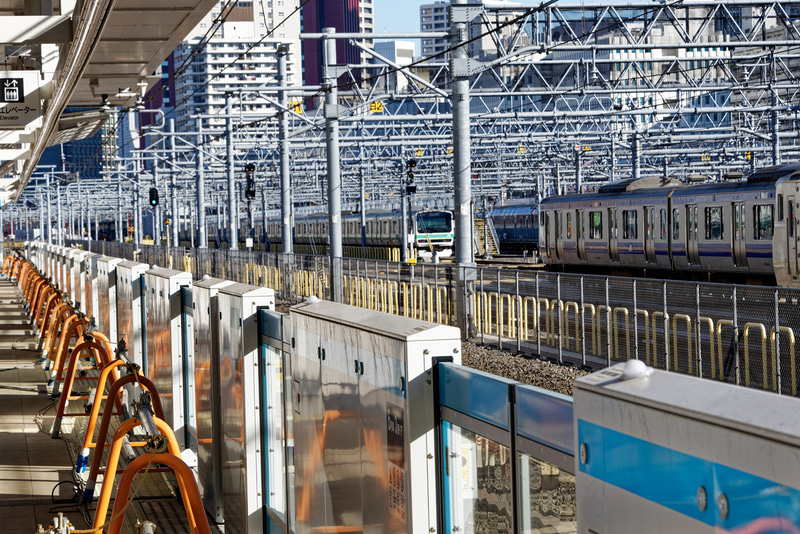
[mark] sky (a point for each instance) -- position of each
(397, 15)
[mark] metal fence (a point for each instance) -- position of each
(739, 334)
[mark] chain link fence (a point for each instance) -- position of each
(739, 334)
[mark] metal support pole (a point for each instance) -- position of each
(363, 213)
(264, 220)
(334, 178)
(233, 216)
(172, 185)
(49, 216)
(612, 172)
(635, 155)
(80, 216)
(775, 126)
(462, 177)
(202, 238)
(120, 235)
(137, 230)
(41, 218)
(735, 338)
(776, 364)
(60, 225)
(578, 183)
(283, 143)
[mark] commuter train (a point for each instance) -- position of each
(517, 227)
(740, 231)
(432, 233)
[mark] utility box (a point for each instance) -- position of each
(89, 285)
(205, 378)
(240, 375)
(166, 354)
(363, 400)
(130, 310)
(670, 453)
(75, 275)
(66, 273)
(107, 305)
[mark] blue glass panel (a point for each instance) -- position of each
(474, 393)
(545, 417)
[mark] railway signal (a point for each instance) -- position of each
(250, 187)
(411, 187)
(153, 196)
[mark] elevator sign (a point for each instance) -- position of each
(20, 105)
(13, 90)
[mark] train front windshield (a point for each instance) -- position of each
(435, 222)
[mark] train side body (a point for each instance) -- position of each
(747, 228)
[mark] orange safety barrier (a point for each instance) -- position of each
(52, 302)
(113, 461)
(74, 327)
(102, 359)
(106, 421)
(58, 328)
(51, 320)
(37, 287)
(29, 284)
(43, 292)
(182, 472)
(88, 444)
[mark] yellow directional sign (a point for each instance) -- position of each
(419, 152)
(521, 150)
(449, 150)
(376, 107)
(297, 106)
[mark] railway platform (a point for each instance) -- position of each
(340, 418)
(35, 470)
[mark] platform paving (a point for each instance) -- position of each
(35, 470)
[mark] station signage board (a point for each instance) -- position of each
(20, 104)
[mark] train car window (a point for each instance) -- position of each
(714, 223)
(791, 218)
(385, 227)
(676, 224)
(762, 222)
(630, 222)
(663, 215)
(595, 225)
(780, 208)
(569, 226)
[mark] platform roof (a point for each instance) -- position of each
(82, 51)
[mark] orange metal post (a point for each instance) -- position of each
(106, 421)
(113, 462)
(66, 395)
(182, 472)
(109, 369)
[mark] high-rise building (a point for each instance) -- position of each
(435, 18)
(232, 51)
(351, 16)
(401, 53)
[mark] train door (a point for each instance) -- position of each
(739, 234)
(792, 229)
(545, 235)
(559, 235)
(692, 251)
(613, 247)
(580, 235)
(649, 234)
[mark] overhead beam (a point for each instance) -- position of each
(35, 29)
